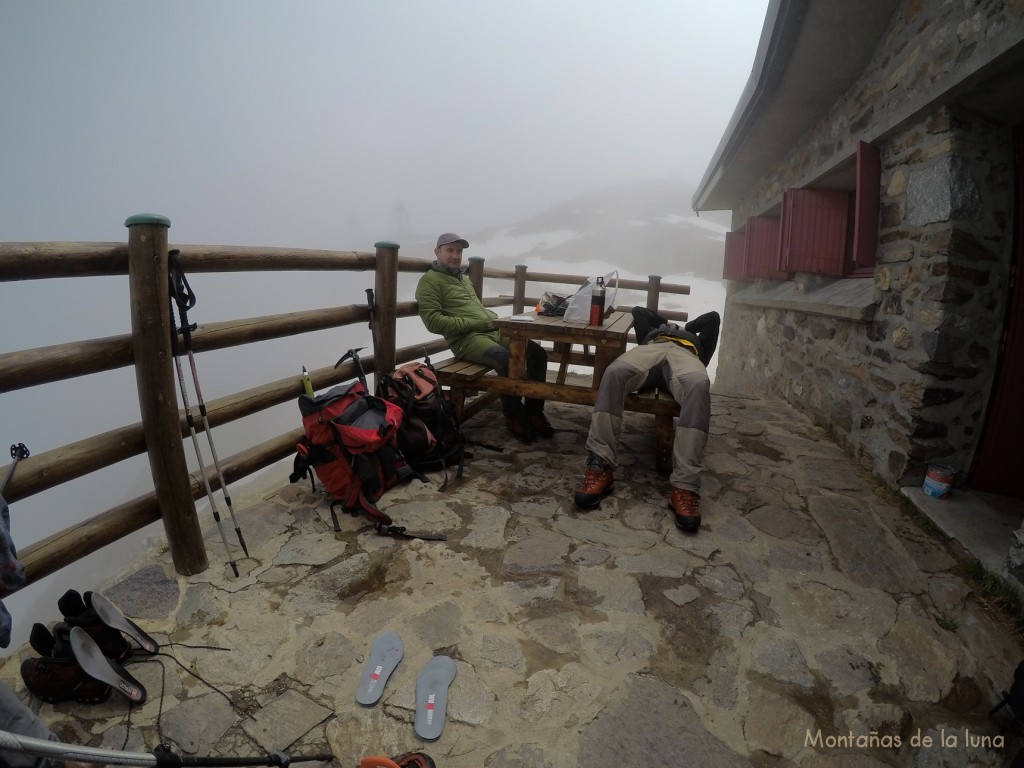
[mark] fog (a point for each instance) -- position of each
(335, 125)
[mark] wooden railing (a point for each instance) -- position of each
(148, 348)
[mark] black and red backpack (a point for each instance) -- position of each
(429, 437)
(350, 444)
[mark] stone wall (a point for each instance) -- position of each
(908, 385)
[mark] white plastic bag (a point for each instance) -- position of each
(578, 310)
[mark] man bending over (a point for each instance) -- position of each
(669, 357)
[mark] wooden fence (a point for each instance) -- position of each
(148, 348)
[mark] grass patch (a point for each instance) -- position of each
(906, 505)
(995, 592)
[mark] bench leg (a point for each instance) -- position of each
(458, 399)
(565, 349)
(664, 433)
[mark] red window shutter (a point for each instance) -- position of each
(762, 249)
(735, 245)
(815, 229)
(866, 208)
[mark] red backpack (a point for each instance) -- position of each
(350, 445)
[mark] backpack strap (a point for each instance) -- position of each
(301, 466)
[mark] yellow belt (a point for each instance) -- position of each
(680, 342)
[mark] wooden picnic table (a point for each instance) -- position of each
(608, 341)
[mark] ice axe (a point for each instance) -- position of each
(354, 354)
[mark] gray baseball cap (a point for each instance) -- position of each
(451, 237)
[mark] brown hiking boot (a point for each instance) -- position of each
(687, 508)
(521, 429)
(598, 483)
(57, 680)
(541, 425)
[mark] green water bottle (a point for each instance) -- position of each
(306, 383)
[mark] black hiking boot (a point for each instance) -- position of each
(541, 425)
(78, 614)
(521, 430)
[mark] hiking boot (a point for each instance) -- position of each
(521, 429)
(58, 676)
(541, 425)
(687, 508)
(78, 613)
(598, 483)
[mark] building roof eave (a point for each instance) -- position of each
(808, 56)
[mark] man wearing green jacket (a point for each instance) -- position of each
(449, 307)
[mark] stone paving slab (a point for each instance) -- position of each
(809, 623)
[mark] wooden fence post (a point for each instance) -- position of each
(653, 292)
(385, 292)
(158, 401)
(519, 290)
(476, 275)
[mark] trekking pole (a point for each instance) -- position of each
(195, 440)
(18, 452)
(186, 299)
(371, 304)
(161, 757)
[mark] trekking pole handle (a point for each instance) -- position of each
(18, 452)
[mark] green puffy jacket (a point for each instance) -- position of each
(449, 307)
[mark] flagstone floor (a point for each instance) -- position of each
(811, 622)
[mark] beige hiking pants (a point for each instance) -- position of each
(687, 380)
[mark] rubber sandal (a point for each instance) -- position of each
(432, 696)
(385, 653)
(92, 661)
(114, 619)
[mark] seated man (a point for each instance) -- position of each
(449, 307)
(671, 358)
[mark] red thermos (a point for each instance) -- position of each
(597, 303)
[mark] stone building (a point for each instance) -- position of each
(874, 172)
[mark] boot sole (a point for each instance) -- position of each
(685, 525)
(596, 502)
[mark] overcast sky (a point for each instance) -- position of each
(312, 125)
(336, 124)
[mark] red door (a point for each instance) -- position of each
(999, 463)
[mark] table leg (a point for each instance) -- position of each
(517, 359)
(664, 435)
(603, 356)
(565, 349)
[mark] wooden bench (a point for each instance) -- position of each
(460, 376)
(463, 377)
